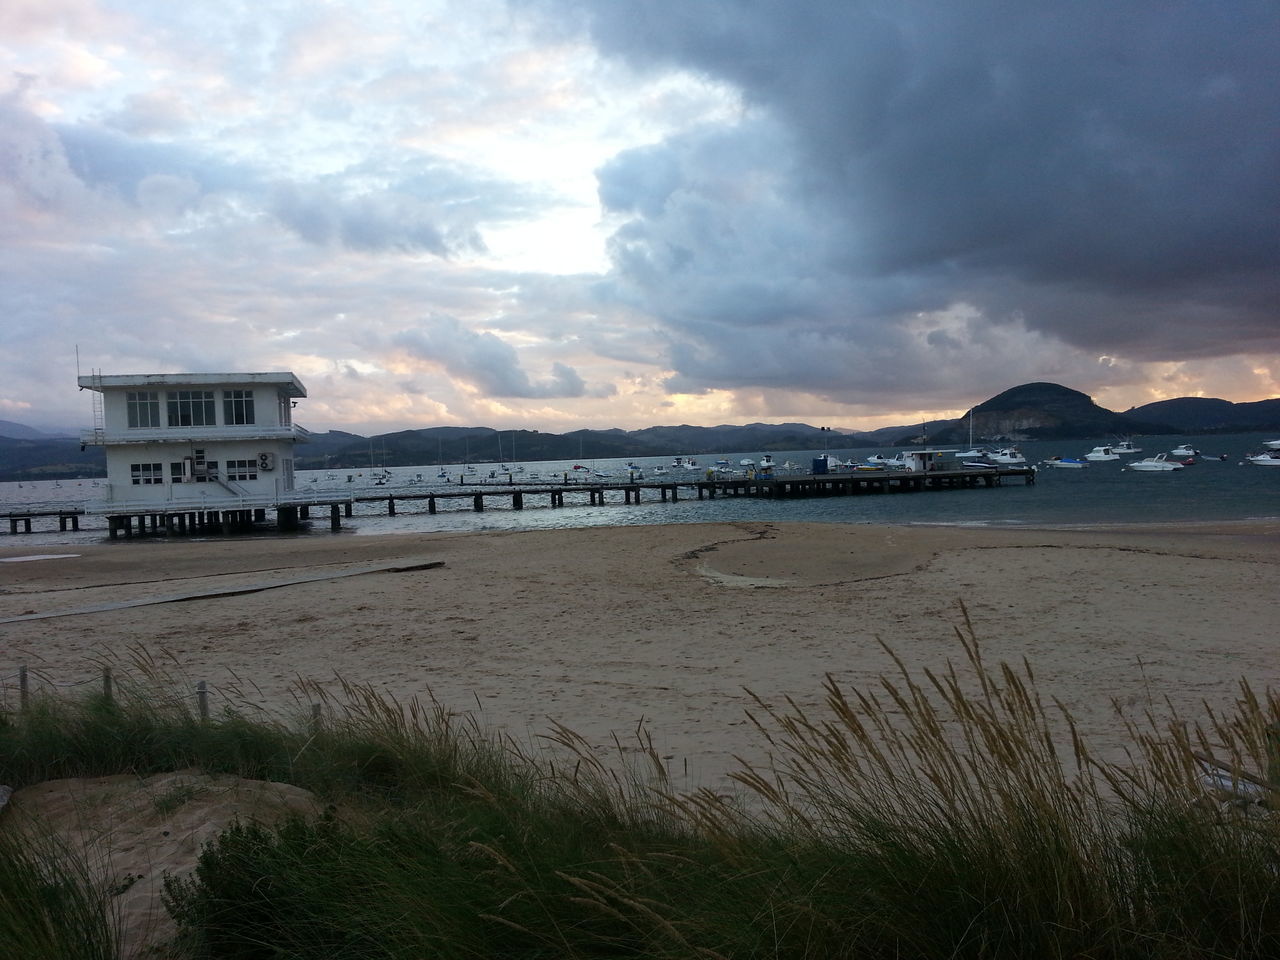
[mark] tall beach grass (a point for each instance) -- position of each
(944, 814)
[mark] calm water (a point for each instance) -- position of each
(1102, 493)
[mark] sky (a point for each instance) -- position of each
(557, 214)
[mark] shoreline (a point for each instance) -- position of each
(669, 626)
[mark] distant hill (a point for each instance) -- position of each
(1207, 415)
(1032, 411)
(49, 459)
(1043, 411)
(20, 431)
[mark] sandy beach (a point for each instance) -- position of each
(603, 629)
(606, 630)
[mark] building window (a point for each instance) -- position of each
(144, 408)
(191, 408)
(176, 473)
(242, 469)
(146, 473)
(237, 406)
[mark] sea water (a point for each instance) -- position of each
(1221, 486)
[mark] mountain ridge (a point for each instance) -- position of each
(1033, 411)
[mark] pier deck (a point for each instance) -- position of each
(178, 518)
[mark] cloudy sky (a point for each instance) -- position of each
(552, 214)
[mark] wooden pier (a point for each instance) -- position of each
(776, 487)
(178, 519)
(23, 518)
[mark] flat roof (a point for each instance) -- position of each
(284, 381)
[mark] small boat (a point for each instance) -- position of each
(1271, 444)
(1269, 459)
(1125, 446)
(974, 453)
(1064, 463)
(1184, 450)
(980, 464)
(1101, 453)
(1160, 463)
(1008, 456)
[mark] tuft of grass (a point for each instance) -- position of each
(50, 908)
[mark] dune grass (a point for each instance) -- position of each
(50, 909)
(947, 814)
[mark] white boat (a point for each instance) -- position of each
(1101, 453)
(1160, 463)
(1008, 456)
(974, 453)
(1125, 446)
(1269, 459)
(1271, 444)
(1184, 450)
(1064, 463)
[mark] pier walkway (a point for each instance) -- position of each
(200, 518)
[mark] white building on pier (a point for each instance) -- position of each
(195, 438)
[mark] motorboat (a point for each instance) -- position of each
(1064, 463)
(1098, 454)
(974, 453)
(1271, 444)
(1008, 456)
(1125, 447)
(1184, 450)
(1160, 463)
(1269, 459)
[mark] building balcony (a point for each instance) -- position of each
(211, 434)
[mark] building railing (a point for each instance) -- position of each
(102, 437)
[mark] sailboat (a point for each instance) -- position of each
(973, 453)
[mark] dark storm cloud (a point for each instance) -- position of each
(1108, 174)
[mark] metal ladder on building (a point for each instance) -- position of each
(99, 418)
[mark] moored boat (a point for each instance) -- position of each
(1098, 454)
(1008, 456)
(1160, 463)
(1064, 463)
